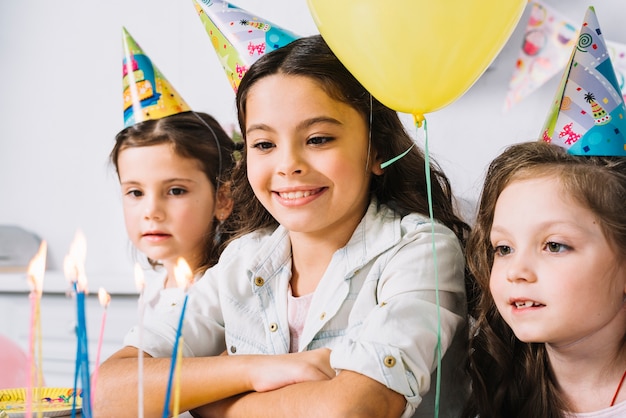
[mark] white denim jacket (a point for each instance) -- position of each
(375, 306)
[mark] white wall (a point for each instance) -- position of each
(60, 68)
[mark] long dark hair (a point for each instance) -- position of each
(194, 135)
(402, 186)
(511, 378)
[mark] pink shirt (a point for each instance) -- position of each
(297, 310)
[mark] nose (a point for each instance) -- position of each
(291, 161)
(153, 208)
(520, 268)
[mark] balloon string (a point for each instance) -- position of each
(396, 158)
(418, 123)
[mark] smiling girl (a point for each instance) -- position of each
(331, 251)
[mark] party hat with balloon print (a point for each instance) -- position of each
(147, 93)
(239, 37)
(588, 114)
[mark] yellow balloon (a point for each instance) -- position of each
(416, 56)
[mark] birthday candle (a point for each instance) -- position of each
(179, 356)
(84, 351)
(104, 299)
(75, 272)
(183, 276)
(140, 284)
(36, 269)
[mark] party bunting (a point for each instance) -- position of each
(546, 47)
(588, 114)
(239, 37)
(617, 52)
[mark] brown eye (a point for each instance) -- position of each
(502, 250)
(555, 247)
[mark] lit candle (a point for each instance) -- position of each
(71, 273)
(75, 272)
(183, 276)
(140, 284)
(104, 299)
(36, 269)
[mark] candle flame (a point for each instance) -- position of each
(140, 282)
(37, 268)
(182, 273)
(104, 297)
(74, 262)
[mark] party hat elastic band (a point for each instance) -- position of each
(239, 37)
(147, 93)
(588, 114)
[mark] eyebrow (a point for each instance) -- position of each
(167, 181)
(304, 124)
(544, 225)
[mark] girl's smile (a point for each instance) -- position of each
(299, 196)
(307, 157)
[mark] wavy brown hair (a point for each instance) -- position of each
(511, 378)
(195, 135)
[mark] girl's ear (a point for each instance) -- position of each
(224, 203)
(376, 169)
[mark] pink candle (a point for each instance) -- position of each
(36, 269)
(104, 299)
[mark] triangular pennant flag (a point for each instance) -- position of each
(588, 114)
(147, 93)
(617, 52)
(548, 41)
(239, 37)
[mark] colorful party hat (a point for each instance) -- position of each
(588, 114)
(239, 37)
(147, 94)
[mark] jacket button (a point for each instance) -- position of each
(389, 361)
(233, 349)
(273, 327)
(259, 281)
(322, 316)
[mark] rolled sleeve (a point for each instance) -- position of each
(395, 342)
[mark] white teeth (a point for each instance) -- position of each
(296, 195)
(527, 304)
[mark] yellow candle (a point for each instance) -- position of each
(36, 270)
(140, 284)
(183, 276)
(179, 356)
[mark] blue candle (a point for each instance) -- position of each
(74, 266)
(76, 370)
(166, 407)
(84, 354)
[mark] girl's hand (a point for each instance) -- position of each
(271, 372)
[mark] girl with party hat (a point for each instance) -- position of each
(548, 251)
(334, 250)
(174, 168)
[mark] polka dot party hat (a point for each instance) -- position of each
(239, 37)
